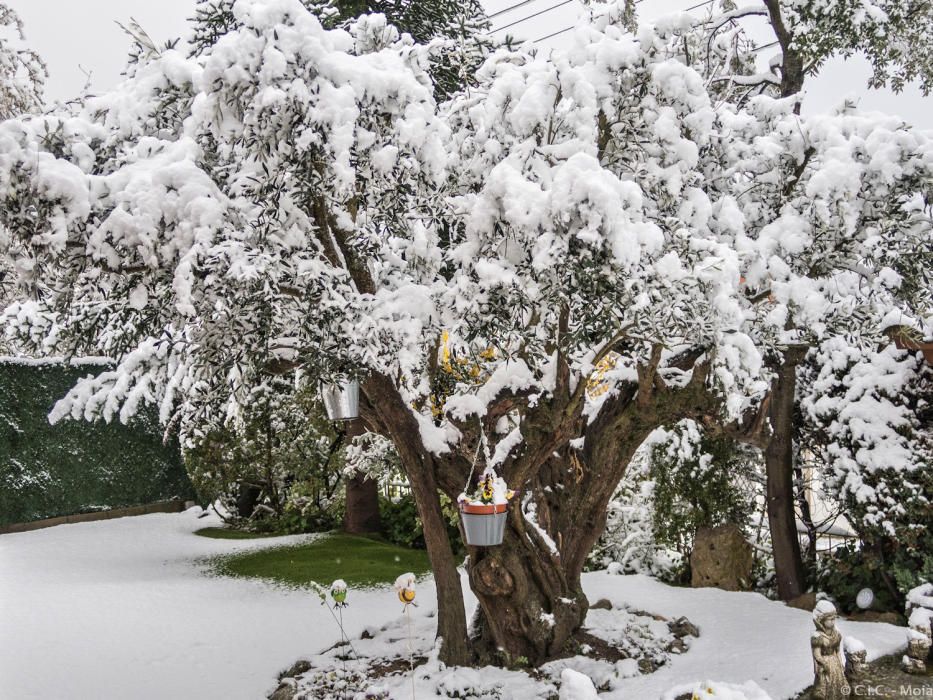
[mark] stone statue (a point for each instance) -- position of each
(830, 679)
(919, 641)
(856, 660)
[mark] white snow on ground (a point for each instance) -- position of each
(743, 636)
(122, 609)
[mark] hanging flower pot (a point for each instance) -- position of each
(484, 513)
(483, 525)
(342, 401)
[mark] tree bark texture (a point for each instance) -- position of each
(779, 470)
(362, 512)
(362, 496)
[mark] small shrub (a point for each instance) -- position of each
(402, 525)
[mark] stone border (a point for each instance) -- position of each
(174, 506)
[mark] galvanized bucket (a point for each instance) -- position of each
(342, 401)
(483, 525)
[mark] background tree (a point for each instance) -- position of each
(280, 468)
(867, 416)
(291, 202)
(22, 70)
(22, 79)
(807, 34)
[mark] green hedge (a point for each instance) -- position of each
(75, 466)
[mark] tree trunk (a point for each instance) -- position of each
(779, 469)
(362, 514)
(386, 411)
(451, 613)
(246, 500)
(530, 604)
(531, 601)
(362, 496)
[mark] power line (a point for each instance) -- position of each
(698, 5)
(567, 29)
(510, 8)
(637, 2)
(525, 19)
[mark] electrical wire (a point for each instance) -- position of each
(637, 2)
(567, 29)
(698, 5)
(525, 19)
(510, 8)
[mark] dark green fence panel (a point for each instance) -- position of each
(76, 466)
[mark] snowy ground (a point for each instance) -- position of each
(122, 609)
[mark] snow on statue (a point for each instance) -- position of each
(290, 200)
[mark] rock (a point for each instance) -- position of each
(807, 602)
(721, 558)
(601, 604)
(682, 627)
(912, 666)
(918, 646)
(299, 667)
(856, 660)
(285, 691)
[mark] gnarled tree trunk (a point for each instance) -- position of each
(530, 597)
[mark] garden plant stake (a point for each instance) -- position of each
(405, 586)
(338, 592)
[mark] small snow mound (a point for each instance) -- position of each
(852, 645)
(921, 596)
(576, 686)
(715, 690)
(921, 618)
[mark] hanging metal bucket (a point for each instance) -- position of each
(342, 401)
(483, 525)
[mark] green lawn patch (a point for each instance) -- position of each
(360, 561)
(226, 533)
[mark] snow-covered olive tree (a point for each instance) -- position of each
(22, 79)
(532, 277)
(22, 70)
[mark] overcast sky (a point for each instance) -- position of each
(75, 36)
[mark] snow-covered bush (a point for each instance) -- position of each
(869, 418)
(292, 201)
(681, 480)
(628, 545)
(700, 481)
(279, 466)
